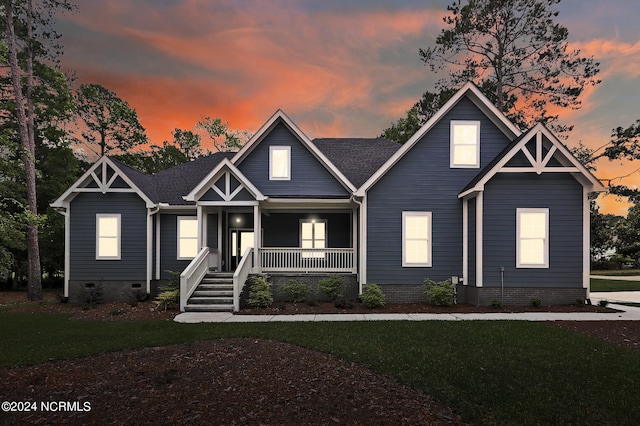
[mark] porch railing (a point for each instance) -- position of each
(240, 277)
(307, 259)
(193, 274)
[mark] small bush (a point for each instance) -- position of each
(580, 301)
(372, 296)
(496, 304)
(333, 287)
(603, 303)
(342, 303)
(91, 295)
(440, 293)
(535, 302)
(260, 293)
(296, 291)
(169, 296)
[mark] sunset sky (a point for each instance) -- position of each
(338, 68)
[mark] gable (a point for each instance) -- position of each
(224, 184)
(537, 151)
(107, 176)
(308, 175)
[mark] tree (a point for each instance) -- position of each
(516, 54)
(602, 232)
(224, 139)
(30, 42)
(627, 232)
(109, 122)
(515, 50)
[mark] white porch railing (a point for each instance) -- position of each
(240, 277)
(307, 259)
(193, 274)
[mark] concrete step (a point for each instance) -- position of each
(212, 292)
(204, 300)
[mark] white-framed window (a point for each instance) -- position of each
(279, 163)
(465, 144)
(532, 238)
(313, 235)
(416, 239)
(108, 236)
(187, 237)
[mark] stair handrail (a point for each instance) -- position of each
(240, 277)
(192, 275)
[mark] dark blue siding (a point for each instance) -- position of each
(423, 181)
(169, 245)
(308, 176)
(559, 192)
(283, 229)
(133, 262)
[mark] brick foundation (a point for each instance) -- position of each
(483, 296)
(111, 291)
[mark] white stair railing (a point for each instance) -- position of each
(240, 277)
(192, 275)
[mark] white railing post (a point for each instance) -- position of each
(289, 259)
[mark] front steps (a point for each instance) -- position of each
(213, 294)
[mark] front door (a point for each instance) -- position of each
(241, 240)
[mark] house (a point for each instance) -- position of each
(471, 198)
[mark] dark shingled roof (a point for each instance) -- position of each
(357, 158)
(169, 186)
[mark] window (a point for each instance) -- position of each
(279, 163)
(532, 242)
(416, 239)
(108, 237)
(313, 234)
(187, 237)
(465, 144)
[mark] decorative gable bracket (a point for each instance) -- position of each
(539, 160)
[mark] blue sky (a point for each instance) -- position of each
(337, 68)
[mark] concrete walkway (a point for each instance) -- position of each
(628, 314)
(616, 277)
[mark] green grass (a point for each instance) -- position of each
(620, 272)
(598, 284)
(491, 372)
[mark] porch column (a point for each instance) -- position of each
(201, 231)
(354, 239)
(257, 238)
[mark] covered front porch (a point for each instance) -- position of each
(260, 238)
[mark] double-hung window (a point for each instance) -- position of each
(532, 238)
(108, 236)
(465, 144)
(416, 239)
(280, 163)
(313, 235)
(187, 237)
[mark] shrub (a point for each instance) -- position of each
(91, 295)
(496, 304)
(580, 301)
(603, 303)
(332, 287)
(260, 293)
(440, 293)
(169, 296)
(535, 302)
(296, 291)
(372, 296)
(342, 303)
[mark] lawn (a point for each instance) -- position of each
(491, 372)
(603, 284)
(620, 272)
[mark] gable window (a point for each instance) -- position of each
(280, 163)
(313, 235)
(465, 144)
(187, 237)
(108, 236)
(416, 239)
(532, 241)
